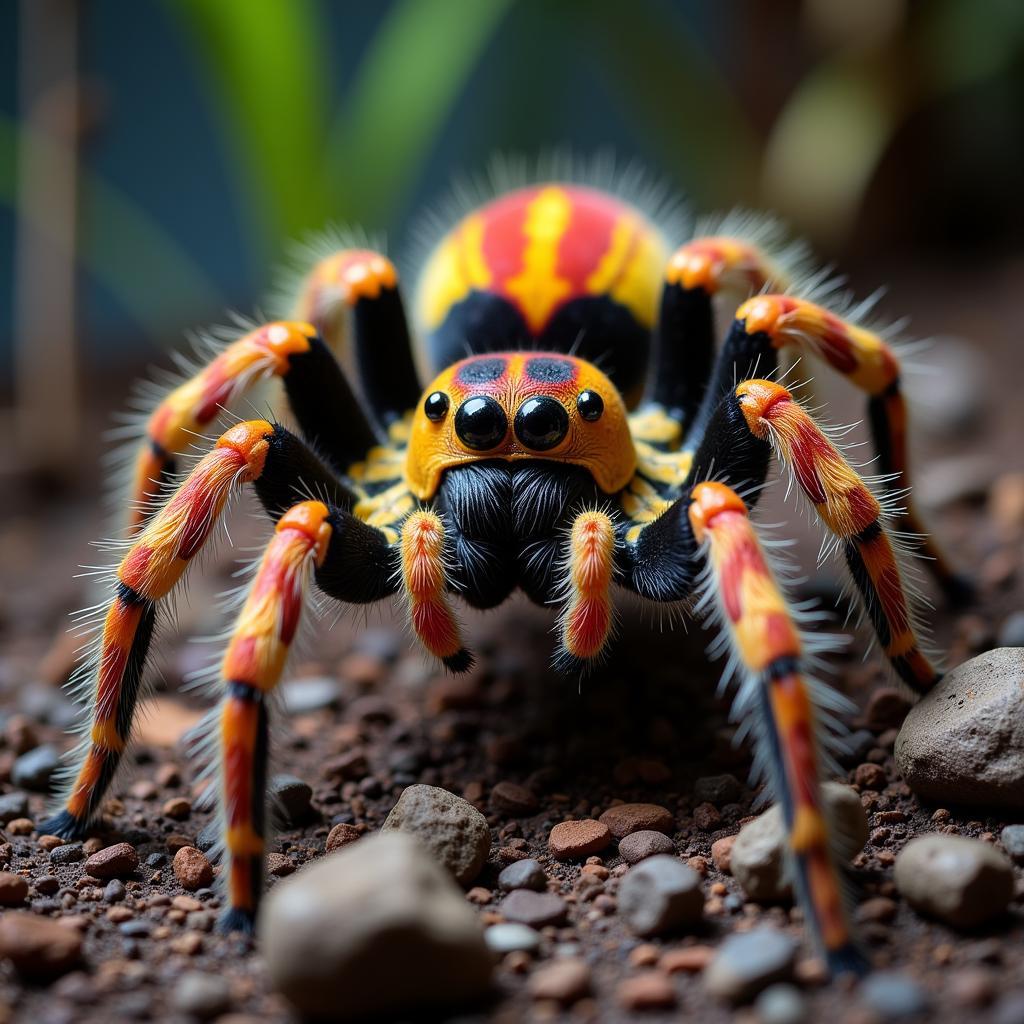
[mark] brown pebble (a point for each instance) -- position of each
(511, 798)
(570, 840)
(706, 817)
(13, 889)
(178, 808)
(624, 819)
(721, 853)
(689, 959)
(564, 981)
(699, 864)
(973, 987)
(49, 843)
(92, 845)
(878, 909)
(886, 709)
(186, 903)
(869, 776)
(118, 861)
(168, 776)
(644, 955)
(646, 843)
(118, 915)
(279, 865)
(341, 835)
(192, 869)
(537, 909)
(143, 789)
(189, 944)
(39, 949)
(598, 871)
(20, 826)
(648, 991)
(479, 895)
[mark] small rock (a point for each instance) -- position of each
(887, 707)
(564, 981)
(115, 891)
(209, 836)
(721, 853)
(661, 894)
(523, 874)
(192, 869)
(973, 987)
(963, 742)
(781, 1004)
(870, 776)
(1012, 838)
(69, 853)
(341, 835)
(13, 889)
(717, 789)
(513, 799)
(855, 746)
(537, 909)
(893, 995)
(329, 932)
(13, 805)
(201, 995)
(178, 807)
(452, 829)
(748, 962)
(118, 861)
(571, 840)
(511, 937)
(34, 770)
(961, 881)
(706, 817)
(39, 949)
(304, 696)
(624, 819)
(650, 990)
(688, 960)
(638, 846)
(757, 860)
(292, 798)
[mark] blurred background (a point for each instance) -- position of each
(156, 157)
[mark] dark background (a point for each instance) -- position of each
(157, 157)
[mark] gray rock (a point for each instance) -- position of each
(34, 770)
(13, 805)
(781, 1004)
(292, 798)
(748, 962)
(201, 995)
(451, 828)
(661, 894)
(717, 790)
(963, 743)
(209, 836)
(1011, 632)
(961, 881)
(511, 937)
(69, 853)
(303, 696)
(758, 857)
(523, 874)
(893, 995)
(377, 928)
(536, 909)
(638, 846)
(1013, 841)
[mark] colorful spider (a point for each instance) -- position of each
(521, 466)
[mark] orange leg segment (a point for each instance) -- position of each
(252, 668)
(586, 621)
(852, 514)
(767, 644)
(148, 572)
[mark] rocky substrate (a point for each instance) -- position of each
(512, 846)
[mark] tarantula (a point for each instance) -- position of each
(522, 466)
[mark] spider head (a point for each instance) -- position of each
(521, 405)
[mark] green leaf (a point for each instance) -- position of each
(415, 69)
(267, 62)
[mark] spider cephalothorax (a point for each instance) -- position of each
(524, 466)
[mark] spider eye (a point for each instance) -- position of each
(480, 423)
(541, 423)
(590, 405)
(436, 406)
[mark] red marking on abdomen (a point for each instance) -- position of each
(587, 237)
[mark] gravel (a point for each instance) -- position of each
(523, 874)
(961, 881)
(34, 770)
(536, 909)
(638, 846)
(574, 840)
(748, 962)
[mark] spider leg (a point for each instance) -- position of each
(254, 451)
(683, 350)
(767, 323)
(327, 410)
(774, 693)
(357, 290)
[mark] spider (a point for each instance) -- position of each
(524, 465)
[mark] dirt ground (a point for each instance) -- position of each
(644, 727)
